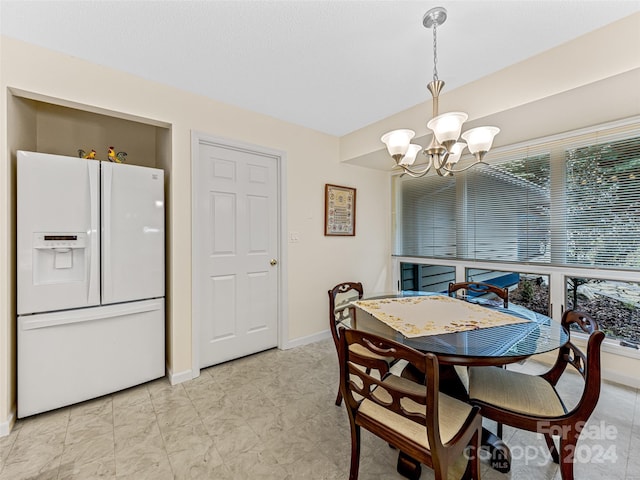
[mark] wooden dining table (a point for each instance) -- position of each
(458, 333)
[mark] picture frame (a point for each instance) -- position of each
(339, 211)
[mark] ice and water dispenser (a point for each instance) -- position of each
(59, 257)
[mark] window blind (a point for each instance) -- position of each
(427, 217)
(571, 199)
(603, 204)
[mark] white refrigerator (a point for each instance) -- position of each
(90, 279)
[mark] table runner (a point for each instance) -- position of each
(434, 315)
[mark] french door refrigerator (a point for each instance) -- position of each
(90, 279)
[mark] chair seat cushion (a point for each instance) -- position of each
(514, 391)
(364, 352)
(453, 413)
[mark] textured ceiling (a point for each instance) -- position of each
(334, 66)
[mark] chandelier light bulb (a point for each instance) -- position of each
(397, 141)
(447, 127)
(410, 157)
(455, 153)
(480, 139)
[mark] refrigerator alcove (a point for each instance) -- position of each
(90, 320)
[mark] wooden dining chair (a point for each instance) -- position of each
(531, 402)
(424, 424)
(480, 288)
(341, 314)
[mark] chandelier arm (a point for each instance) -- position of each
(439, 159)
(451, 170)
(417, 173)
(413, 173)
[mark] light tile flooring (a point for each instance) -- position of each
(269, 416)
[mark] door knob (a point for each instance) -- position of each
(273, 262)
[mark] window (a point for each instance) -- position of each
(497, 213)
(614, 304)
(417, 277)
(428, 217)
(530, 290)
(603, 204)
(526, 289)
(567, 203)
(505, 211)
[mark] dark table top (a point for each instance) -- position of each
(486, 346)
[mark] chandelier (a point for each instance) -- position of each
(445, 150)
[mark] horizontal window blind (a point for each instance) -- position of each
(506, 213)
(603, 204)
(427, 217)
(571, 199)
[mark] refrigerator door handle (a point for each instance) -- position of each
(93, 253)
(107, 180)
(34, 322)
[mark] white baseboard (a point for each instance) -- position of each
(6, 426)
(299, 342)
(622, 375)
(176, 378)
(616, 377)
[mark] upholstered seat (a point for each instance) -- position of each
(515, 391)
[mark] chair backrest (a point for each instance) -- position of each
(339, 298)
(419, 405)
(481, 288)
(586, 365)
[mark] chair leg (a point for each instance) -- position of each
(339, 398)
(567, 450)
(439, 472)
(472, 471)
(409, 467)
(552, 448)
(566, 470)
(475, 460)
(499, 425)
(355, 451)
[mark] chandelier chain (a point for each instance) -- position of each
(435, 53)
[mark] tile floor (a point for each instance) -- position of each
(269, 416)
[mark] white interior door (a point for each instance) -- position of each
(236, 265)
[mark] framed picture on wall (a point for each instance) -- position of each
(339, 211)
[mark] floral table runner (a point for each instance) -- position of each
(434, 315)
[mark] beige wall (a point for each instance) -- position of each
(63, 130)
(314, 263)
